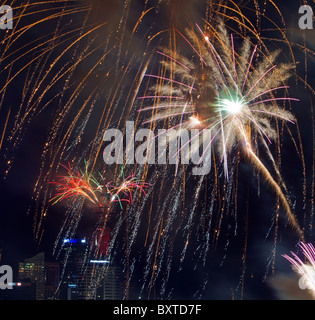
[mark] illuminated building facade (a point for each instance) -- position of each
(73, 285)
(37, 273)
(85, 278)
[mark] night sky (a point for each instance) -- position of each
(221, 278)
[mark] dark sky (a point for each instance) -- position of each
(222, 274)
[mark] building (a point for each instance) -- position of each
(52, 274)
(40, 275)
(85, 278)
(75, 253)
(33, 270)
(111, 286)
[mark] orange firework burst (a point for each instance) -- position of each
(126, 188)
(77, 184)
(84, 184)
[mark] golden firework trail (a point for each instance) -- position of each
(83, 73)
(227, 95)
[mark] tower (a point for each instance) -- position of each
(33, 270)
(72, 285)
(40, 275)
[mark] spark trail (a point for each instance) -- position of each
(305, 269)
(81, 75)
(230, 93)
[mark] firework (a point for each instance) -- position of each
(305, 269)
(124, 191)
(234, 96)
(78, 184)
(85, 67)
(50, 59)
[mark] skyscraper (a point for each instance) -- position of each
(38, 273)
(86, 277)
(52, 273)
(75, 253)
(111, 286)
(33, 270)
